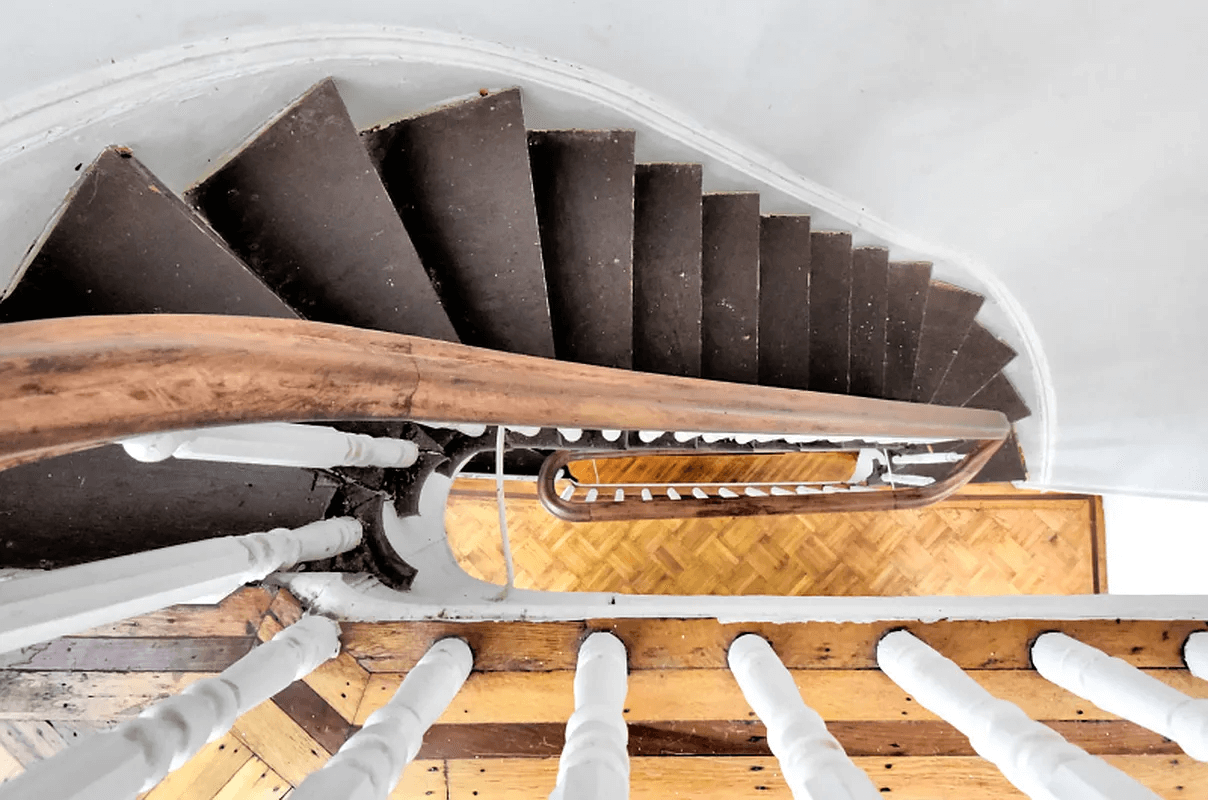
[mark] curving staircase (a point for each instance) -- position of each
(459, 224)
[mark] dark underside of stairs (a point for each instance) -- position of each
(458, 223)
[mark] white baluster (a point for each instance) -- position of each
(813, 762)
(368, 766)
(1195, 653)
(1117, 686)
(571, 434)
(1031, 755)
(610, 434)
(649, 436)
(136, 755)
(281, 444)
(72, 599)
(595, 763)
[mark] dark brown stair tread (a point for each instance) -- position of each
(999, 395)
(908, 284)
(869, 314)
(303, 205)
(102, 503)
(730, 287)
(830, 311)
(784, 324)
(980, 357)
(947, 317)
(123, 243)
(583, 184)
(1006, 465)
(459, 176)
(667, 269)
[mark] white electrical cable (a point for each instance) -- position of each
(503, 516)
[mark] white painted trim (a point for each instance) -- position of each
(62, 109)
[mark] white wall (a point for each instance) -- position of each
(1156, 546)
(1060, 143)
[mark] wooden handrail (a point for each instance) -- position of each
(69, 384)
(659, 507)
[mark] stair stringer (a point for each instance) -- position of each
(187, 107)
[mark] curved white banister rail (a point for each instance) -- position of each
(370, 763)
(136, 755)
(813, 762)
(41, 606)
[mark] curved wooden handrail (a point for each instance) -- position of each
(659, 507)
(69, 384)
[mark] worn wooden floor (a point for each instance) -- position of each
(691, 732)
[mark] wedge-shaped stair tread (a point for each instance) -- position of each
(1007, 463)
(909, 283)
(947, 318)
(784, 293)
(667, 269)
(459, 176)
(583, 184)
(830, 311)
(869, 314)
(305, 208)
(980, 357)
(730, 287)
(123, 243)
(999, 395)
(101, 503)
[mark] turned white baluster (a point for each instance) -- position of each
(1031, 755)
(1117, 686)
(368, 766)
(65, 601)
(1195, 653)
(813, 762)
(136, 755)
(281, 444)
(595, 763)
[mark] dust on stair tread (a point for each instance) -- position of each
(947, 317)
(730, 287)
(583, 185)
(784, 325)
(830, 311)
(981, 356)
(869, 315)
(304, 207)
(908, 284)
(1000, 395)
(667, 269)
(460, 178)
(123, 243)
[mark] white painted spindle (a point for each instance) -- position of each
(813, 762)
(69, 600)
(1031, 755)
(595, 763)
(133, 757)
(1117, 686)
(281, 444)
(368, 766)
(1195, 653)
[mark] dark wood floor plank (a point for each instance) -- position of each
(980, 357)
(583, 184)
(730, 287)
(302, 204)
(1000, 395)
(160, 654)
(459, 176)
(784, 300)
(101, 503)
(909, 283)
(667, 269)
(125, 244)
(947, 318)
(313, 715)
(869, 315)
(830, 311)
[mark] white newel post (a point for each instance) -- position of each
(281, 444)
(42, 606)
(1195, 653)
(595, 760)
(1117, 686)
(1030, 755)
(813, 762)
(368, 766)
(136, 755)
